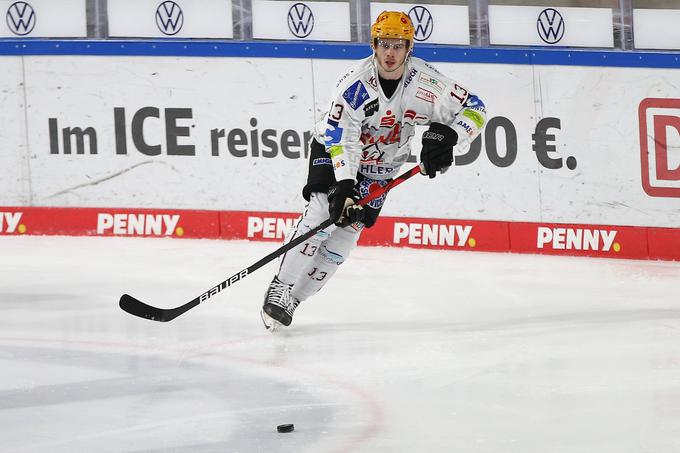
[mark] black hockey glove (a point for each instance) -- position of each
(437, 152)
(341, 207)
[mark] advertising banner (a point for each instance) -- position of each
(434, 24)
(656, 28)
(603, 241)
(169, 132)
(38, 19)
(562, 144)
(551, 26)
(14, 155)
(316, 21)
(170, 19)
(109, 222)
(579, 240)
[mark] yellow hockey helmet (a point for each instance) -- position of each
(392, 24)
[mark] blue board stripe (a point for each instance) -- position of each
(324, 50)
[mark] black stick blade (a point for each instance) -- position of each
(138, 308)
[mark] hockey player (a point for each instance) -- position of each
(363, 140)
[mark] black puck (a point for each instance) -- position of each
(288, 427)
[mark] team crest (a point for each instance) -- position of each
(369, 185)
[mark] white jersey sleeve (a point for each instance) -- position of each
(342, 128)
(455, 106)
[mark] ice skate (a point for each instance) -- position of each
(279, 305)
(270, 323)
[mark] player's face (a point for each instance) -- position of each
(390, 54)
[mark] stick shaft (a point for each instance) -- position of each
(143, 310)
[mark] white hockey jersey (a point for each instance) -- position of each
(365, 132)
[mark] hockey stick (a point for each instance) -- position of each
(138, 308)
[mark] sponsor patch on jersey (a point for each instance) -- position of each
(373, 82)
(432, 82)
(371, 154)
(476, 117)
(322, 161)
(470, 131)
(333, 133)
(369, 185)
(356, 94)
(370, 169)
(388, 120)
(381, 135)
(371, 107)
(336, 151)
(409, 77)
(426, 95)
(474, 103)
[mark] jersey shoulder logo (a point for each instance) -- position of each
(371, 107)
(356, 94)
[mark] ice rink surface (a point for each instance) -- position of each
(404, 351)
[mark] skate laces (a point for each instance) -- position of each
(278, 293)
(294, 302)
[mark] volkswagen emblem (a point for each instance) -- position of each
(169, 18)
(300, 20)
(550, 25)
(422, 21)
(21, 18)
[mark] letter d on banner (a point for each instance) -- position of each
(660, 146)
(662, 123)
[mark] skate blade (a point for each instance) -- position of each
(270, 323)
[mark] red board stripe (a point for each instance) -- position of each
(442, 234)
(110, 222)
(664, 243)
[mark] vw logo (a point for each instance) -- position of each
(20, 18)
(300, 20)
(422, 21)
(169, 18)
(550, 25)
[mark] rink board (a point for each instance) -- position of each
(441, 234)
(577, 144)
